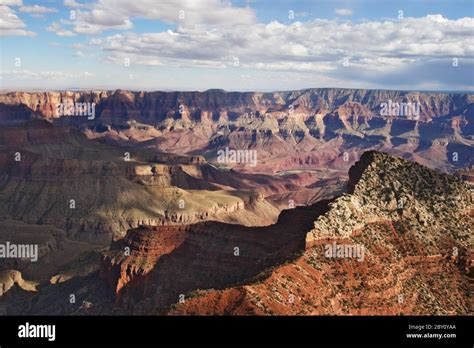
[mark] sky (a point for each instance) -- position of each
(242, 45)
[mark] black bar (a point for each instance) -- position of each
(108, 330)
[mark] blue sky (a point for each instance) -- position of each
(236, 45)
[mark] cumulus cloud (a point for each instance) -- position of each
(11, 24)
(321, 45)
(220, 34)
(98, 20)
(91, 22)
(37, 9)
(104, 15)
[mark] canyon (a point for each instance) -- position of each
(133, 212)
(305, 129)
(410, 266)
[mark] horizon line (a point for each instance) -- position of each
(76, 89)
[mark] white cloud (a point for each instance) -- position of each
(214, 33)
(11, 24)
(116, 14)
(75, 4)
(184, 12)
(37, 9)
(11, 2)
(343, 12)
(318, 45)
(56, 28)
(98, 20)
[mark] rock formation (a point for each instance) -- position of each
(54, 175)
(310, 128)
(146, 263)
(134, 213)
(417, 257)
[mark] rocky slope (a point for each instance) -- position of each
(53, 175)
(58, 258)
(416, 257)
(145, 264)
(384, 257)
(385, 188)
